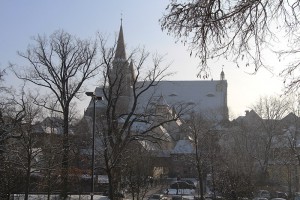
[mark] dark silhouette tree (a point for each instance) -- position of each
(59, 65)
(11, 117)
(123, 88)
(241, 31)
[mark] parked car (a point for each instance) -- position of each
(182, 185)
(279, 194)
(157, 197)
(190, 182)
(263, 194)
(260, 198)
(243, 198)
(278, 199)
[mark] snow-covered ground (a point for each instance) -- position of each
(186, 193)
(56, 197)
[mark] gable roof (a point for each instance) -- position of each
(200, 95)
(291, 118)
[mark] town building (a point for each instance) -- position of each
(208, 97)
(270, 147)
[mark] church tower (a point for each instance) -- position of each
(122, 75)
(221, 89)
(224, 85)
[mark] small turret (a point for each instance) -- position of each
(162, 110)
(222, 76)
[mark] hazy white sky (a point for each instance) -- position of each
(20, 20)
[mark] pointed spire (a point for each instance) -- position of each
(222, 75)
(121, 18)
(120, 51)
(161, 101)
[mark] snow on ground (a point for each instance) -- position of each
(186, 193)
(56, 197)
(188, 197)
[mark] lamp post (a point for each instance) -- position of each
(94, 99)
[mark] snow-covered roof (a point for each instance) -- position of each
(140, 126)
(148, 145)
(183, 147)
(52, 130)
(198, 92)
(165, 135)
(201, 95)
(103, 179)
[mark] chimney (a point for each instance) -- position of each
(247, 112)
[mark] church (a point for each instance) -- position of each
(208, 97)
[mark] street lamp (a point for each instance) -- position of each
(94, 99)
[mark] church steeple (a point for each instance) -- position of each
(120, 51)
(121, 76)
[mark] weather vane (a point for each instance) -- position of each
(121, 17)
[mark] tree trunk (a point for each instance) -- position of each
(27, 183)
(65, 159)
(200, 177)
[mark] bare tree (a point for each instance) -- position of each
(60, 65)
(238, 164)
(50, 145)
(237, 30)
(22, 149)
(11, 117)
(138, 166)
(10, 178)
(286, 152)
(123, 91)
(200, 129)
(263, 128)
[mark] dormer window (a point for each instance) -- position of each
(210, 95)
(191, 103)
